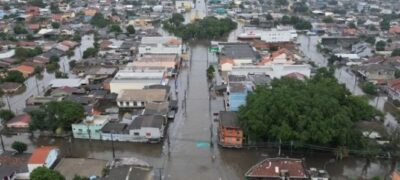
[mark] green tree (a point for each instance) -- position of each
(55, 25)
(44, 173)
(55, 115)
(130, 29)
(77, 38)
(281, 2)
(385, 24)
(115, 28)
(20, 147)
(327, 19)
(22, 53)
(54, 8)
(89, 52)
(54, 59)
(369, 88)
(210, 72)
(6, 115)
(352, 25)
(76, 177)
(314, 111)
(38, 3)
(380, 45)
(19, 29)
(14, 76)
(98, 20)
(396, 52)
(371, 40)
(177, 19)
(38, 70)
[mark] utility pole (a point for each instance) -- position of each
(112, 145)
(8, 102)
(1, 139)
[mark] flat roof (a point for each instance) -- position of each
(69, 167)
(143, 95)
(155, 121)
(272, 168)
(229, 119)
(239, 51)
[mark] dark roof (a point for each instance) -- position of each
(229, 119)
(156, 108)
(237, 87)
(236, 78)
(239, 51)
(13, 163)
(155, 121)
(115, 127)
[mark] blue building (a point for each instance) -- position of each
(2, 14)
(237, 93)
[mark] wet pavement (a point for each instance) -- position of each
(38, 85)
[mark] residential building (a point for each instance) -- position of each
(137, 79)
(237, 93)
(377, 72)
(144, 128)
(138, 98)
(44, 156)
(185, 5)
(230, 133)
(70, 167)
(10, 87)
(278, 168)
(269, 36)
(167, 61)
(160, 45)
(393, 89)
(239, 53)
(25, 70)
(90, 127)
(362, 50)
(273, 70)
(20, 121)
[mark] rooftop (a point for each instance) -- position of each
(69, 167)
(229, 119)
(170, 40)
(274, 167)
(239, 51)
(155, 121)
(150, 95)
(40, 154)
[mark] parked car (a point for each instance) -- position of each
(171, 115)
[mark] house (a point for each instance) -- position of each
(362, 50)
(137, 79)
(278, 168)
(75, 83)
(20, 121)
(25, 70)
(239, 53)
(12, 165)
(272, 70)
(66, 91)
(40, 100)
(269, 36)
(69, 167)
(138, 98)
(185, 5)
(230, 134)
(150, 127)
(395, 30)
(377, 72)
(90, 127)
(237, 93)
(167, 61)
(44, 156)
(10, 87)
(153, 108)
(40, 60)
(160, 45)
(393, 89)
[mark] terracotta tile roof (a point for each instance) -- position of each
(394, 84)
(272, 168)
(226, 60)
(25, 69)
(40, 154)
(296, 75)
(395, 29)
(23, 118)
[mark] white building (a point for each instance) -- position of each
(160, 45)
(137, 79)
(273, 70)
(270, 36)
(138, 98)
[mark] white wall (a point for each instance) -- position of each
(160, 49)
(274, 70)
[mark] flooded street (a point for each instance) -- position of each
(187, 153)
(37, 85)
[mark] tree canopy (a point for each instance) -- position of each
(99, 20)
(6, 115)
(44, 173)
(130, 29)
(316, 111)
(55, 115)
(22, 53)
(207, 28)
(115, 28)
(396, 52)
(89, 52)
(13, 76)
(380, 45)
(297, 22)
(20, 147)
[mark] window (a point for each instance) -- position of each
(80, 130)
(148, 134)
(134, 103)
(136, 134)
(237, 139)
